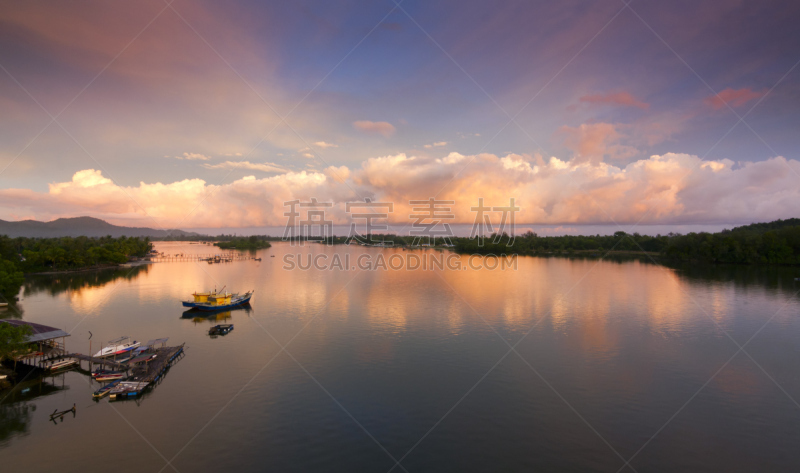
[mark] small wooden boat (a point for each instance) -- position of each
(3, 305)
(101, 372)
(220, 329)
(60, 364)
(105, 389)
(110, 376)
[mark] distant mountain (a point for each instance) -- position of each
(81, 226)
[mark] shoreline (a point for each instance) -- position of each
(130, 264)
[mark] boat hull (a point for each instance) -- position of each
(220, 329)
(118, 350)
(59, 365)
(206, 307)
(102, 392)
(109, 376)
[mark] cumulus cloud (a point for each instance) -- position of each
(264, 167)
(592, 142)
(436, 145)
(621, 99)
(667, 189)
(733, 97)
(194, 157)
(323, 145)
(380, 128)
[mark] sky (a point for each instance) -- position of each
(214, 114)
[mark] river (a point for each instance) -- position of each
(550, 364)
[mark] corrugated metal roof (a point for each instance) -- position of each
(151, 343)
(40, 332)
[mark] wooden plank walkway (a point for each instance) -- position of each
(99, 361)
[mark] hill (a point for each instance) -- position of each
(81, 226)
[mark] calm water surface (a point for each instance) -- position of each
(613, 361)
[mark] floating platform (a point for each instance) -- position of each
(126, 389)
(144, 375)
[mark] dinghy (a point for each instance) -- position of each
(108, 376)
(60, 364)
(221, 329)
(105, 389)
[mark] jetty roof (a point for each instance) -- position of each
(40, 332)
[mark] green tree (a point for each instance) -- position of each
(13, 339)
(11, 280)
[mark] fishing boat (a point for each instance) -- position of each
(110, 376)
(117, 347)
(101, 372)
(220, 329)
(213, 301)
(60, 364)
(105, 389)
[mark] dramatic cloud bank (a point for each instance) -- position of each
(671, 188)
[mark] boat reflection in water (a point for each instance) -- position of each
(214, 317)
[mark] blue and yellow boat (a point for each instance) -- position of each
(213, 300)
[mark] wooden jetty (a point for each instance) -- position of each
(98, 361)
(145, 374)
(141, 375)
(226, 257)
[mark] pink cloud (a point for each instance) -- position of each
(733, 97)
(591, 142)
(622, 99)
(670, 188)
(381, 128)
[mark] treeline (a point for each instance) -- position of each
(753, 244)
(33, 255)
(532, 244)
(254, 242)
(775, 242)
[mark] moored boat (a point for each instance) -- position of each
(60, 364)
(105, 389)
(212, 301)
(101, 372)
(110, 375)
(220, 329)
(117, 347)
